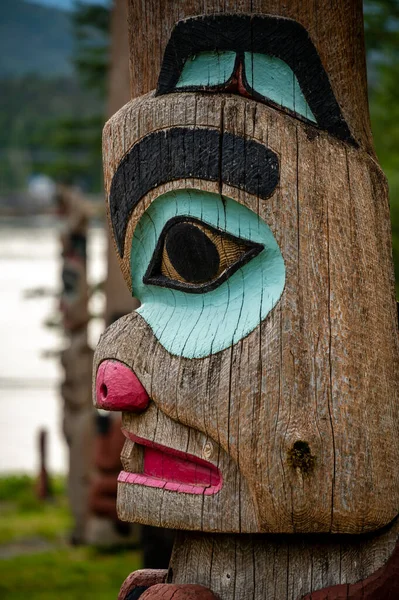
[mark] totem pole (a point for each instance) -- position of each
(259, 378)
(77, 358)
(104, 528)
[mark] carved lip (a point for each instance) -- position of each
(173, 470)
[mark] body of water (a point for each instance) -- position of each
(29, 382)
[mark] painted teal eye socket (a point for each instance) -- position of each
(194, 325)
(272, 79)
(207, 69)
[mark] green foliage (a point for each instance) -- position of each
(35, 561)
(52, 124)
(36, 114)
(91, 25)
(385, 122)
(65, 574)
(382, 39)
(381, 21)
(23, 515)
(81, 135)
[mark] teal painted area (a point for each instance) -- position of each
(274, 79)
(207, 69)
(196, 325)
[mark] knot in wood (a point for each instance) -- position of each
(300, 457)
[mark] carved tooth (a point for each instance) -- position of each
(126, 454)
(207, 451)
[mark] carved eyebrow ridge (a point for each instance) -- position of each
(184, 153)
(279, 37)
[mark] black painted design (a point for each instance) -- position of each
(276, 36)
(192, 254)
(180, 153)
(197, 264)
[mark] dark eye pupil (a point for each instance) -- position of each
(192, 253)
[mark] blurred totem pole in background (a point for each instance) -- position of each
(259, 377)
(104, 527)
(77, 358)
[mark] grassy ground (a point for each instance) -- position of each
(36, 562)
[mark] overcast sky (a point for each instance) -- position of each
(66, 4)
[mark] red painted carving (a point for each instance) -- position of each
(173, 470)
(167, 591)
(141, 578)
(236, 85)
(117, 388)
(154, 580)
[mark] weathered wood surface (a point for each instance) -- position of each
(264, 567)
(293, 410)
(151, 23)
(118, 300)
(77, 358)
(330, 217)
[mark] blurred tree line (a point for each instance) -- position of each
(51, 121)
(91, 27)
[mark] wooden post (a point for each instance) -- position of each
(43, 482)
(118, 299)
(77, 358)
(103, 526)
(259, 377)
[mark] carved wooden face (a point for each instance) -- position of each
(259, 375)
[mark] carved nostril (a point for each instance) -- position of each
(118, 388)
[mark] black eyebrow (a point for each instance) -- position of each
(186, 153)
(276, 36)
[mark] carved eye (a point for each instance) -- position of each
(195, 257)
(270, 78)
(207, 69)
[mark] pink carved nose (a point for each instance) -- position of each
(117, 388)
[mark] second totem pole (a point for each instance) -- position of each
(259, 378)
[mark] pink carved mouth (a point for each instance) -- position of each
(173, 470)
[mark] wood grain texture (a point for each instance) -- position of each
(118, 299)
(287, 567)
(331, 225)
(383, 584)
(336, 30)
